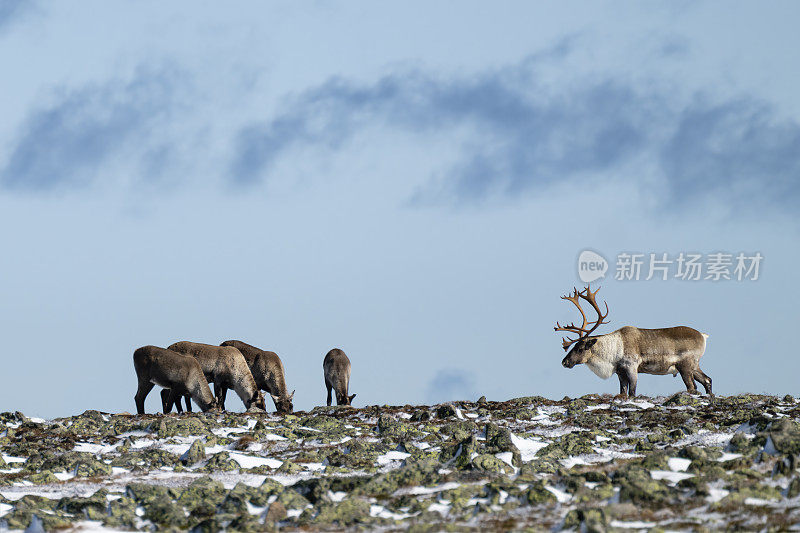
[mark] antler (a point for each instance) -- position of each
(581, 330)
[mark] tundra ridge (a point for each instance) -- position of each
(597, 463)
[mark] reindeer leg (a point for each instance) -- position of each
(166, 406)
(632, 375)
(141, 393)
(703, 380)
(688, 380)
(175, 399)
(224, 394)
(188, 400)
(623, 382)
(329, 394)
(218, 395)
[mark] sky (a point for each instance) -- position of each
(410, 182)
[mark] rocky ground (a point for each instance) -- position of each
(595, 463)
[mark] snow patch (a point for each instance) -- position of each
(669, 476)
(528, 448)
(249, 461)
(392, 456)
(632, 525)
(560, 495)
(416, 491)
(678, 464)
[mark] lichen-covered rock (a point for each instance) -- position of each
(696, 453)
(413, 473)
(31, 520)
(92, 468)
(683, 398)
(589, 520)
(184, 427)
(292, 500)
(489, 463)
(498, 440)
(42, 478)
(221, 462)
(121, 513)
(538, 494)
(459, 431)
(145, 493)
(165, 513)
(446, 410)
(289, 467)
(785, 436)
(94, 506)
(202, 491)
(458, 454)
(390, 427)
(637, 485)
(571, 444)
(348, 512)
(195, 453)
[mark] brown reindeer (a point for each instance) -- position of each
(227, 368)
(267, 370)
(630, 350)
(336, 367)
(179, 374)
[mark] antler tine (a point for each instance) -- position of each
(589, 296)
(575, 299)
(566, 342)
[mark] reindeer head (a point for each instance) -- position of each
(584, 344)
(344, 399)
(257, 401)
(283, 404)
(214, 406)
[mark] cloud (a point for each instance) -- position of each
(450, 384)
(11, 10)
(67, 143)
(527, 136)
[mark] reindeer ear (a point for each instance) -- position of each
(591, 343)
(291, 395)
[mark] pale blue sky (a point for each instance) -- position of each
(409, 182)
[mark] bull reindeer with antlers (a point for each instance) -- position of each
(629, 350)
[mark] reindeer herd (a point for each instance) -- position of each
(185, 368)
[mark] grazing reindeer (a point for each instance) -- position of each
(178, 373)
(629, 350)
(226, 367)
(337, 376)
(267, 370)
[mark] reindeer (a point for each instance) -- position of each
(337, 376)
(267, 370)
(227, 368)
(630, 350)
(179, 375)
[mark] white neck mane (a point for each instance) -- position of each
(608, 351)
